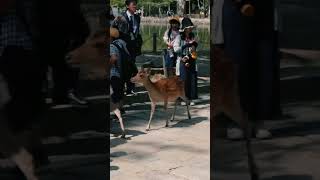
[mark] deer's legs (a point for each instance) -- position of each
(118, 114)
(174, 110)
(187, 103)
(153, 107)
(165, 109)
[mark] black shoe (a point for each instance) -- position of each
(130, 93)
(60, 103)
(77, 99)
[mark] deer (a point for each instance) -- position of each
(92, 60)
(164, 90)
(227, 100)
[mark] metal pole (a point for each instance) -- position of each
(154, 42)
(190, 8)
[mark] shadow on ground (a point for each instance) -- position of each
(190, 122)
(290, 177)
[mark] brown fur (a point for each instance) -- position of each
(91, 57)
(164, 90)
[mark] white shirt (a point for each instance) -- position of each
(131, 16)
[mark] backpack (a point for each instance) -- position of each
(127, 67)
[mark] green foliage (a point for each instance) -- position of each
(117, 3)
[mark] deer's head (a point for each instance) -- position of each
(142, 76)
(91, 57)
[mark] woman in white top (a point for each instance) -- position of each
(172, 39)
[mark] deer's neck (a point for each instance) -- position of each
(149, 85)
(152, 89)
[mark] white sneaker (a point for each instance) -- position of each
(183, 103)
(263, 134)
(235, 133)
(192, 103)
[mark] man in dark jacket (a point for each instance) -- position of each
(135, 39)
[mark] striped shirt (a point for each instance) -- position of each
(13, 32)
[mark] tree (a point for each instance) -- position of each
(117, 3)
(181, 7)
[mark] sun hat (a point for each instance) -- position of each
(186, 23)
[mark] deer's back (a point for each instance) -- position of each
(171, 87)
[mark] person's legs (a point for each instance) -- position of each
(24, 74)
(65, 81)
(276, 107)
(60, 76)
(73, 94)
(265, 84)
(117, 89)
(130, 86)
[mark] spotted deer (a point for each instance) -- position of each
(164, 90)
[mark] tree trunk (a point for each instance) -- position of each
(181, 7)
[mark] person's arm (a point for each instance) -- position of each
(177, 44)
(165, 37)
(217, 35)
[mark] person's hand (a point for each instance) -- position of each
(247, 10)
(185, 59)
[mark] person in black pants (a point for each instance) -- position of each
(61, 28)
(249, 39)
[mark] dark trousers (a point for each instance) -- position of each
(258, 63)
(189, 76)
(117, 88)
(258, 79)
(130, 85)
(65, 78)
